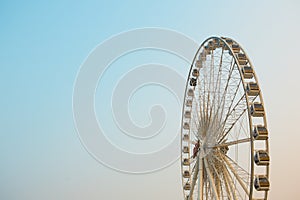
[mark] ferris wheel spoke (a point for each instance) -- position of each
(199, 120)
(231, 69)
(210, 178)
(238, 178)
(207, 97)
(241, 170)
(198, 117)
(232, 124)
(218, 83)
(221, 104)
(228, 180)
(226, 144)
(233, 115)
(211, 100)
(220, 71)
(220, 76)
(230, 109)
(228, 184)
(218, 178)
(200, 180)
(194, 179)
(203, 108)
(195, 122)
(231, 101)
(226, 187)
(223, 188)
(198, 107)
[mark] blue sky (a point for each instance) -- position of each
(42, 46)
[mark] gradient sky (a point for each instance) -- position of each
(42, 46)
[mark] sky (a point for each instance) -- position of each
(43, 47)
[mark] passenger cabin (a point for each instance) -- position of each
(257, 110)
(261, 183)
(236, 48)
(186, 162)
(189, 103)
(247, 72)
(252, 89)
(190, 92)
(207, 50)
(203, 55)
(261, 157)
(186, 149)
(193, 82)
(195, 72)
(229, 41)
(211, 45)
(260, 132)
(219, 43)
(186, 137)
(242, 59)
(187, 186)
(216, 41)
(187, 114)
(198, 64)
(186, 126)
(226, 47)
(186, 174)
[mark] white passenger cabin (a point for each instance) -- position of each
(186, 149)
(261, 157)
(186, 137)
(193, 82)
(186, 174)
(187, 114)
(242, 59)
(195, 72)
(235, 48)
(252, 89)
(260, 132)
(257, 110)
(247, 72)
(186, 126)
(261, 183)
(186, 162)
(187, 186)
(190, 92)
(189, 103)
(198, 64)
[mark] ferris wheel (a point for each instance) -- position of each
(224, 134)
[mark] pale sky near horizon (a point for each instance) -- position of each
(42, 47)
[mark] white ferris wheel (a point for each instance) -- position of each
(224, 133)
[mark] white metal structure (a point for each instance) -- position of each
(224, 134)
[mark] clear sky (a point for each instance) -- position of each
(43, 45)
